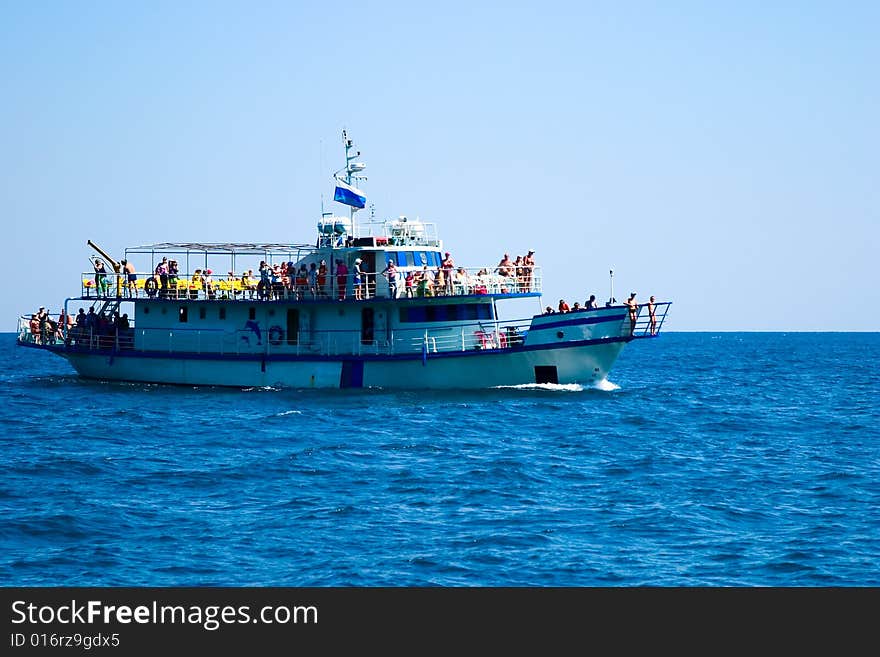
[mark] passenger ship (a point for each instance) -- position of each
(331, 331)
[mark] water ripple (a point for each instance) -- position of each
(711, 460)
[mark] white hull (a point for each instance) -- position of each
(583, 364)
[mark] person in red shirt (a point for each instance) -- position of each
(563, 307)
(341, 277)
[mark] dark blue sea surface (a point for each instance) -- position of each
(729, 459)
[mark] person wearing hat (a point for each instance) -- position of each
(528, 266)
(322, 278)
(162, 272)
(173, 272)
(208, 284)
(357, 281)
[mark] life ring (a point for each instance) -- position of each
(276, 335)
(151, 286)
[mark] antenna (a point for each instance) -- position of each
(611, 299)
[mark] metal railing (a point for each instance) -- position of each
(646, 326)
(462, 337)
(462, 281)
(479, 335)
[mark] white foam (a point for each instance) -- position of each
(605, 385)
(559, 387)
(283, 413)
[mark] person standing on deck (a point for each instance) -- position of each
(162, 272)
(100, 277)
(313, 280)
(357, 279)
(322, 279)
(390, 272)
(448, 266)
(633, 307)
(528, 268)
(341, 277)
(130, 279)
(652, 315)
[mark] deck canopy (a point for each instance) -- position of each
(198, 254)
(220, 248)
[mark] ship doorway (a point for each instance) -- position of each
(546, 374)
(292, 326)
(380, 326)
(368, 326)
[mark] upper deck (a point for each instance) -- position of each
(232, 270)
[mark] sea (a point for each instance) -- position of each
(705, 460)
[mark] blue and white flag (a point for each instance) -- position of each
(349, 195)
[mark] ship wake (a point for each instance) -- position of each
(604, 385)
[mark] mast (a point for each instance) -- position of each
(352, 169)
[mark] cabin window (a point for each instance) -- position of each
(182, 314)
(414, 314)
(252, 313)
(423, 258)
(146, 310)
(401, 258)
(410, 258)
(222, 313)
(440, 313)
(202, 312)
(446, 313)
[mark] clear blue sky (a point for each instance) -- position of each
(722, 155)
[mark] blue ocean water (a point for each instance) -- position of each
(747, 459)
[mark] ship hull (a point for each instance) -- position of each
(583, 363)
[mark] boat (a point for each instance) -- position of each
(369, 303)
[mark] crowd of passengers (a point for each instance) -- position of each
(631, 304)
(287, 281)
(87, 328)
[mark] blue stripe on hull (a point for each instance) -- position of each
(578, 322)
